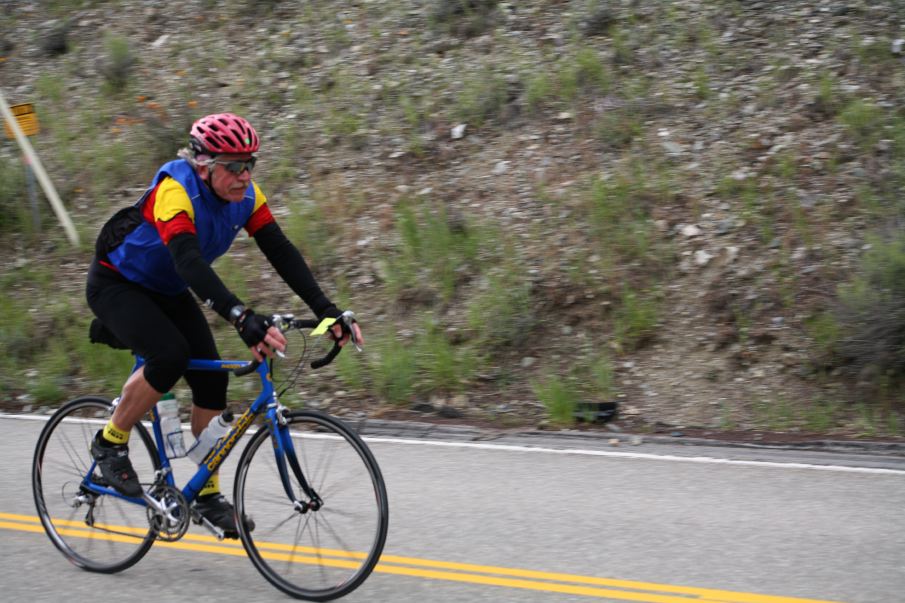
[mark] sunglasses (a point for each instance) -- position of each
(237, 167)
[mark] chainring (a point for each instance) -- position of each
(173, 523)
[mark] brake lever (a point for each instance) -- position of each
(348, 317)
(283, 322)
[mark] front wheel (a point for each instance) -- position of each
(326, 550)
(97, 532)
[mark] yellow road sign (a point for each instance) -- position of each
(27, 119)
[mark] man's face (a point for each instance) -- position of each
(228, 184)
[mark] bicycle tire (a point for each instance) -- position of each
(321, 554)
(108, 534)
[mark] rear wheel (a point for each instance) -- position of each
(326, 550)
(97, 532)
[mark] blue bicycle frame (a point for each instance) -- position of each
(266, 403)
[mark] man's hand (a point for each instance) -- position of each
(337, 334)
(346, 328)
(262, 338)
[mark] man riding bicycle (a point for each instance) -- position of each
(149, 256)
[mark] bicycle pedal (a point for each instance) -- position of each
(199, 520)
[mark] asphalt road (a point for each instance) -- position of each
(529, 518)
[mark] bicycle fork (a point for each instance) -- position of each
(284, 449)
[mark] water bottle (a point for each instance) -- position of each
(170, 427)
(216, 429)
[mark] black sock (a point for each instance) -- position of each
(101, 440)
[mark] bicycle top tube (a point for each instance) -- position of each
(197, 364)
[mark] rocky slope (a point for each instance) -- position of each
(727, 119)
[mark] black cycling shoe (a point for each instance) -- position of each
(115, 466)
(221, 513)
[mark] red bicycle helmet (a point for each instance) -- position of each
(223, 133)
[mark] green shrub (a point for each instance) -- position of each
(619, 217)
(864, 121)
(539, 90)
(50, 87)
(350, 367)
(871, 311)
(502, 313)
(589, 379)
(483, 97)
(442, 367)
(775, 414)
(701, 83)
(601, 378)
(829, 99)
(583, 72)
(117, 65)
(635, 320)
(342, 124)
(618, 128)
(435, 250)
(163, 139)
(14, 205)
(464, 18)
(307, 227)
(393, 369)
(825, 330)
(822, 415)
(559, 397)
(16, 335)
(53, 366)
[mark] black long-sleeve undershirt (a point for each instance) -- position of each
(198, 274)
(279, 251)
(287, 260)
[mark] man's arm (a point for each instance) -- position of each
(287, 260)
(198, 274)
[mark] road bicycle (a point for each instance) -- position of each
(311, 495)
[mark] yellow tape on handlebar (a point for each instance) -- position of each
(322, 328)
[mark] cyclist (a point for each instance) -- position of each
(147, 259)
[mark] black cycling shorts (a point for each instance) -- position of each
(166, 330)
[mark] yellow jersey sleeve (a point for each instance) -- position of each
(170, 200)
(260, 199)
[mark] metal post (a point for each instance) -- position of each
(43, 180)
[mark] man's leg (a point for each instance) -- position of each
(137, 399)
(139, 319)
(209, 400)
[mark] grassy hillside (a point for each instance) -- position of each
(692, 208)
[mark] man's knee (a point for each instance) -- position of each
(208, 388)
(164, 368)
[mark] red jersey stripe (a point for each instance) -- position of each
(179, 224)
(260, 218)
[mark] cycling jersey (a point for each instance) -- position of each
(179, 202)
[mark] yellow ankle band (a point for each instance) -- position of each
(212, 486)
(114, 434)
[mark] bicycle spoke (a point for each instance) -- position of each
(300, 529)
(293, 515)
(76, 461)
(336, 535)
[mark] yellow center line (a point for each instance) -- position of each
(590, 586)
